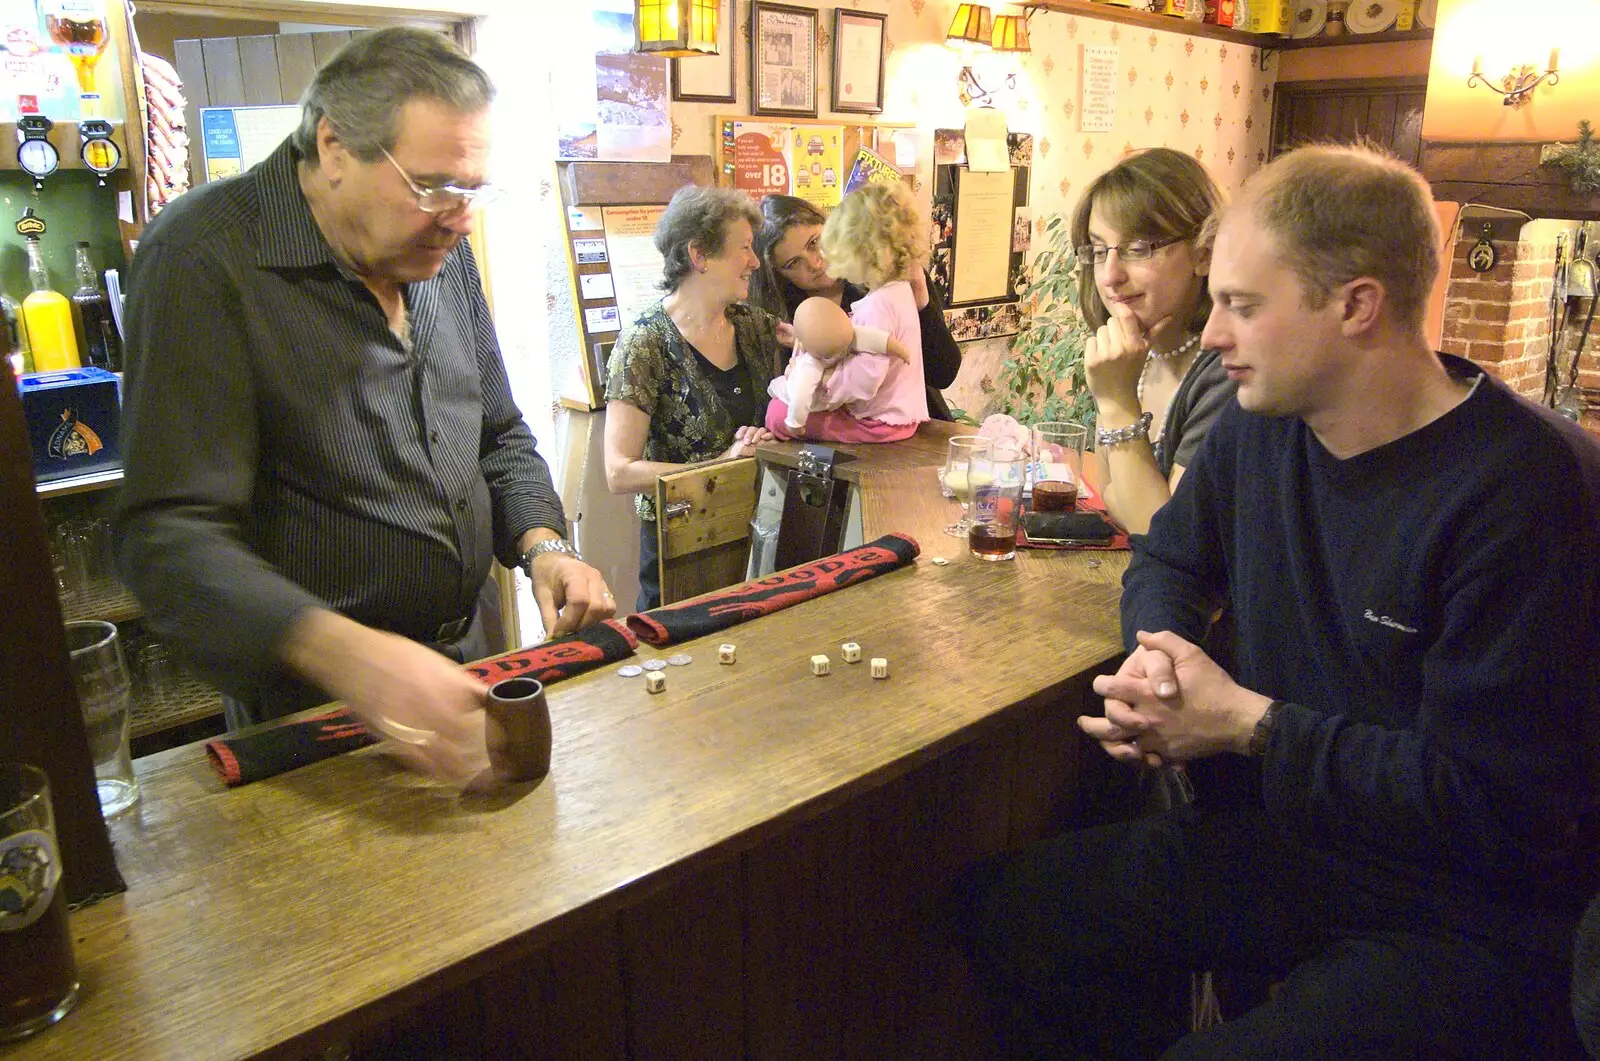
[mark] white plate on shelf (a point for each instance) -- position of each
(1310, 16)
(1371, 16)
(1427, 13)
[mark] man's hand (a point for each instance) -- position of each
(427, 705)
(570, 594)
(1170, 702)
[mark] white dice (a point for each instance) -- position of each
(852, 652)
(880, 667)
(819, 665)
(726, 653)
(655, 681)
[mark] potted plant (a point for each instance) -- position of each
(1579, 161)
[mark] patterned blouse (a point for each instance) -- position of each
(654, 368)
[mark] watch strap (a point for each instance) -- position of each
(547, 545)
(1261, 736)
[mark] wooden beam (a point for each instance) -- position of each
(1504, 174)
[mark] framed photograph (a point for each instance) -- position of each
(858, 48)
(709, 78)
(783, 60)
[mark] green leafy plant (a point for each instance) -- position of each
(1579, 161)
(1043, 378)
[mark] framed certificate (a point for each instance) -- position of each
(858, 52)
(708, 78)
(783, 60)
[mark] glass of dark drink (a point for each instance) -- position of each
(38, 976)
(1057, 466)
(996, 506)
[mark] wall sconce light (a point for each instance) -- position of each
(974, 29)
(1516, 88)
(1010, 34)
(677, 29)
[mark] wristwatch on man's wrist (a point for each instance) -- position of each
(1261, 736)
(546, 545)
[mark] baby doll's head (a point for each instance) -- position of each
(875, 235)
(823, 329)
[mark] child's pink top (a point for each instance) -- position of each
(883, 388)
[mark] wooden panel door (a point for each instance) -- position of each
(704, 527)
(1385, 111)
(257, 71)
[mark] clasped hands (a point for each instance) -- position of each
(1169, 702)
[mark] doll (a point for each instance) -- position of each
(871, 242)
(824, 336)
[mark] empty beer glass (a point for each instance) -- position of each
(105, 693)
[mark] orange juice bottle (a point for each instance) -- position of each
(48, 315)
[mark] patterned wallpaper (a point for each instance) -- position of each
(1202, 96)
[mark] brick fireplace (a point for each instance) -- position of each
(1502, 319)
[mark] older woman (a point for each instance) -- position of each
(687, 381)
(1143, 287)
(793, 269)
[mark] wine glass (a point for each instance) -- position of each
(957, 465)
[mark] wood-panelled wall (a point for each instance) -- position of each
(830, 940)
(259, 71)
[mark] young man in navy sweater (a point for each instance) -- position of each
(1412, 720)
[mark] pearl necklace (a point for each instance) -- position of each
(1169, 355)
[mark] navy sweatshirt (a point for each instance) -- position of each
(1430, 610)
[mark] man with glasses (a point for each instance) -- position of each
(323, 454)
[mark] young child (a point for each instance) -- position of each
(824, 335)
(871, 240)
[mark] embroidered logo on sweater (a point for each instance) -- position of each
(1384, 620)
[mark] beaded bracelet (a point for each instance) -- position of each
(1115, 436)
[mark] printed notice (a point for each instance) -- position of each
(982, 237)
(636, 265)
(596, 285)
(584, 218)
(604, 319)
(986, 140)
(1098, 113)
(590, 251)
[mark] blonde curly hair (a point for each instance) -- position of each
(872, 237)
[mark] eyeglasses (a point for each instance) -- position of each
(447, 198)
(1133, 250)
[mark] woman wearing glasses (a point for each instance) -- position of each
(793, 269)
(1142, 286)
(687, 381)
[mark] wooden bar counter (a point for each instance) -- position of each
(749, 864)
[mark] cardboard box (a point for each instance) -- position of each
(1270, 16)
(74, 421)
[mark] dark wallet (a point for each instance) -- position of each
(1068, 527)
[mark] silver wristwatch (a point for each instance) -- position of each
(1140, 428)
(546, 545)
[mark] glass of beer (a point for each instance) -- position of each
(996, 505)
(959, 455)
(1057, 466)
(38, 976)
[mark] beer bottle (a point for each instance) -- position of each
(98, 344)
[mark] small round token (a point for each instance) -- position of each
(632, 670)
(682, 659)
(655, 664)
(939, 561)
